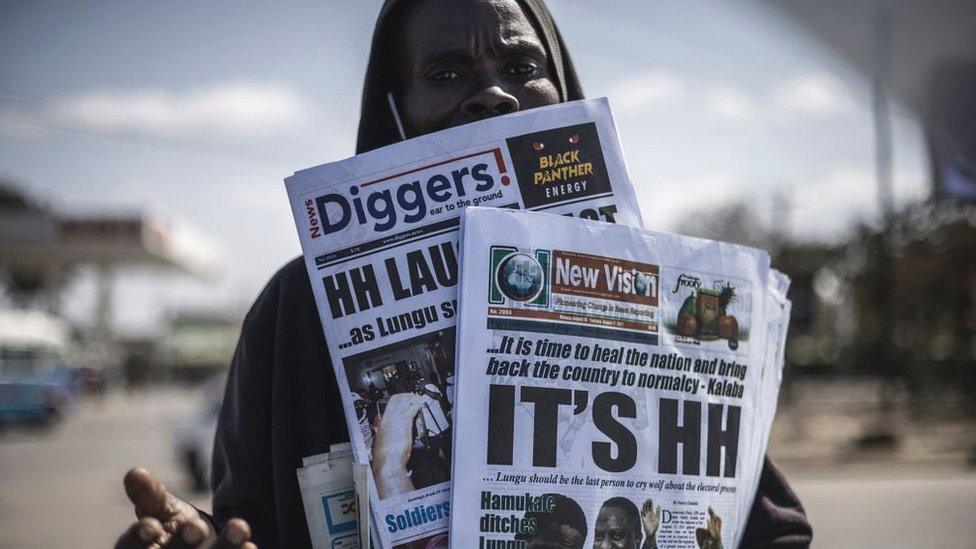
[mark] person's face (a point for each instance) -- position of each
(465, 60)
(613, 530)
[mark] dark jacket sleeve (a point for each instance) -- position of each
(242, 479)
(777, 518)
(281, 403)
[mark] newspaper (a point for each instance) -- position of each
(329, 496)
(617, 384)
(379, 233)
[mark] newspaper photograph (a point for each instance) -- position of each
(379, 233)
(615, 383)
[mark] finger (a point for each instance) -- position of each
(130, 538)
(657, 514)
(236, 533)
(141, 534)
(190, 535)
(146, 493)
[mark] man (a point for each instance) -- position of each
(443, 63)
(435, 417)
(562, 527)
(619, 525)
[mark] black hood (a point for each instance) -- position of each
(377, 127)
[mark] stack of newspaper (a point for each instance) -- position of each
(329, 495)
(607, 382)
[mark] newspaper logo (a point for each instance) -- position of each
(605, 278)
(314, 225)
(559, 165)
(406, 198)
(519, 276)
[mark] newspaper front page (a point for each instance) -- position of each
(617, 384)
(379, 233)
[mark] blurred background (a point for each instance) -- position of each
(143, 147)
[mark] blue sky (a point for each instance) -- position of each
(200, 109)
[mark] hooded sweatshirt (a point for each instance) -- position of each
(282, 402)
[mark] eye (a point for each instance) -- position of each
(523, 69)
(443, 76)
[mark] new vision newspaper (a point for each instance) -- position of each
(616, 384)
(379, 233)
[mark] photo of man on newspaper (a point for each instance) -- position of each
(561, 527)
(402, 394)
(620, 526)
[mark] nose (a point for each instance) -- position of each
(488, 102)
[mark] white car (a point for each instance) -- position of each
(193, 435)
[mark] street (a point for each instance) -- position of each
(63, 488)
(891, 511)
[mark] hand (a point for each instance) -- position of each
(650, 518)
(392, 445)
(714, 525)
(710, 537)
(166, 521)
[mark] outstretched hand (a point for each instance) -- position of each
(714, 525)
(166, 521)
(710, 537)
(650, 518)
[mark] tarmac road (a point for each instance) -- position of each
(910, 509)
(63, 488)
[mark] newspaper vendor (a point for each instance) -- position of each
(437, 63)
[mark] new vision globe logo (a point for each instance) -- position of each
(519, 276)
(641, 281)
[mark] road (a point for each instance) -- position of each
(879, 509)
(63, 488)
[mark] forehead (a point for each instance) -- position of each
(612, 518)
(479, 26)
(570, 535)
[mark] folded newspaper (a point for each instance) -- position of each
(614, 384)
(330, 499)
(379, 233)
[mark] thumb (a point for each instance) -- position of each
(146, 493)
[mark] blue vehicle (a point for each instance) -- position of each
(36, 385)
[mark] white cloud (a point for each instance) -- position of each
(665, 204)
(728, 103)
(829, 206)
(816, 93)
(18, 124)
(229, 108)
(821, 209)
(638, 93)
